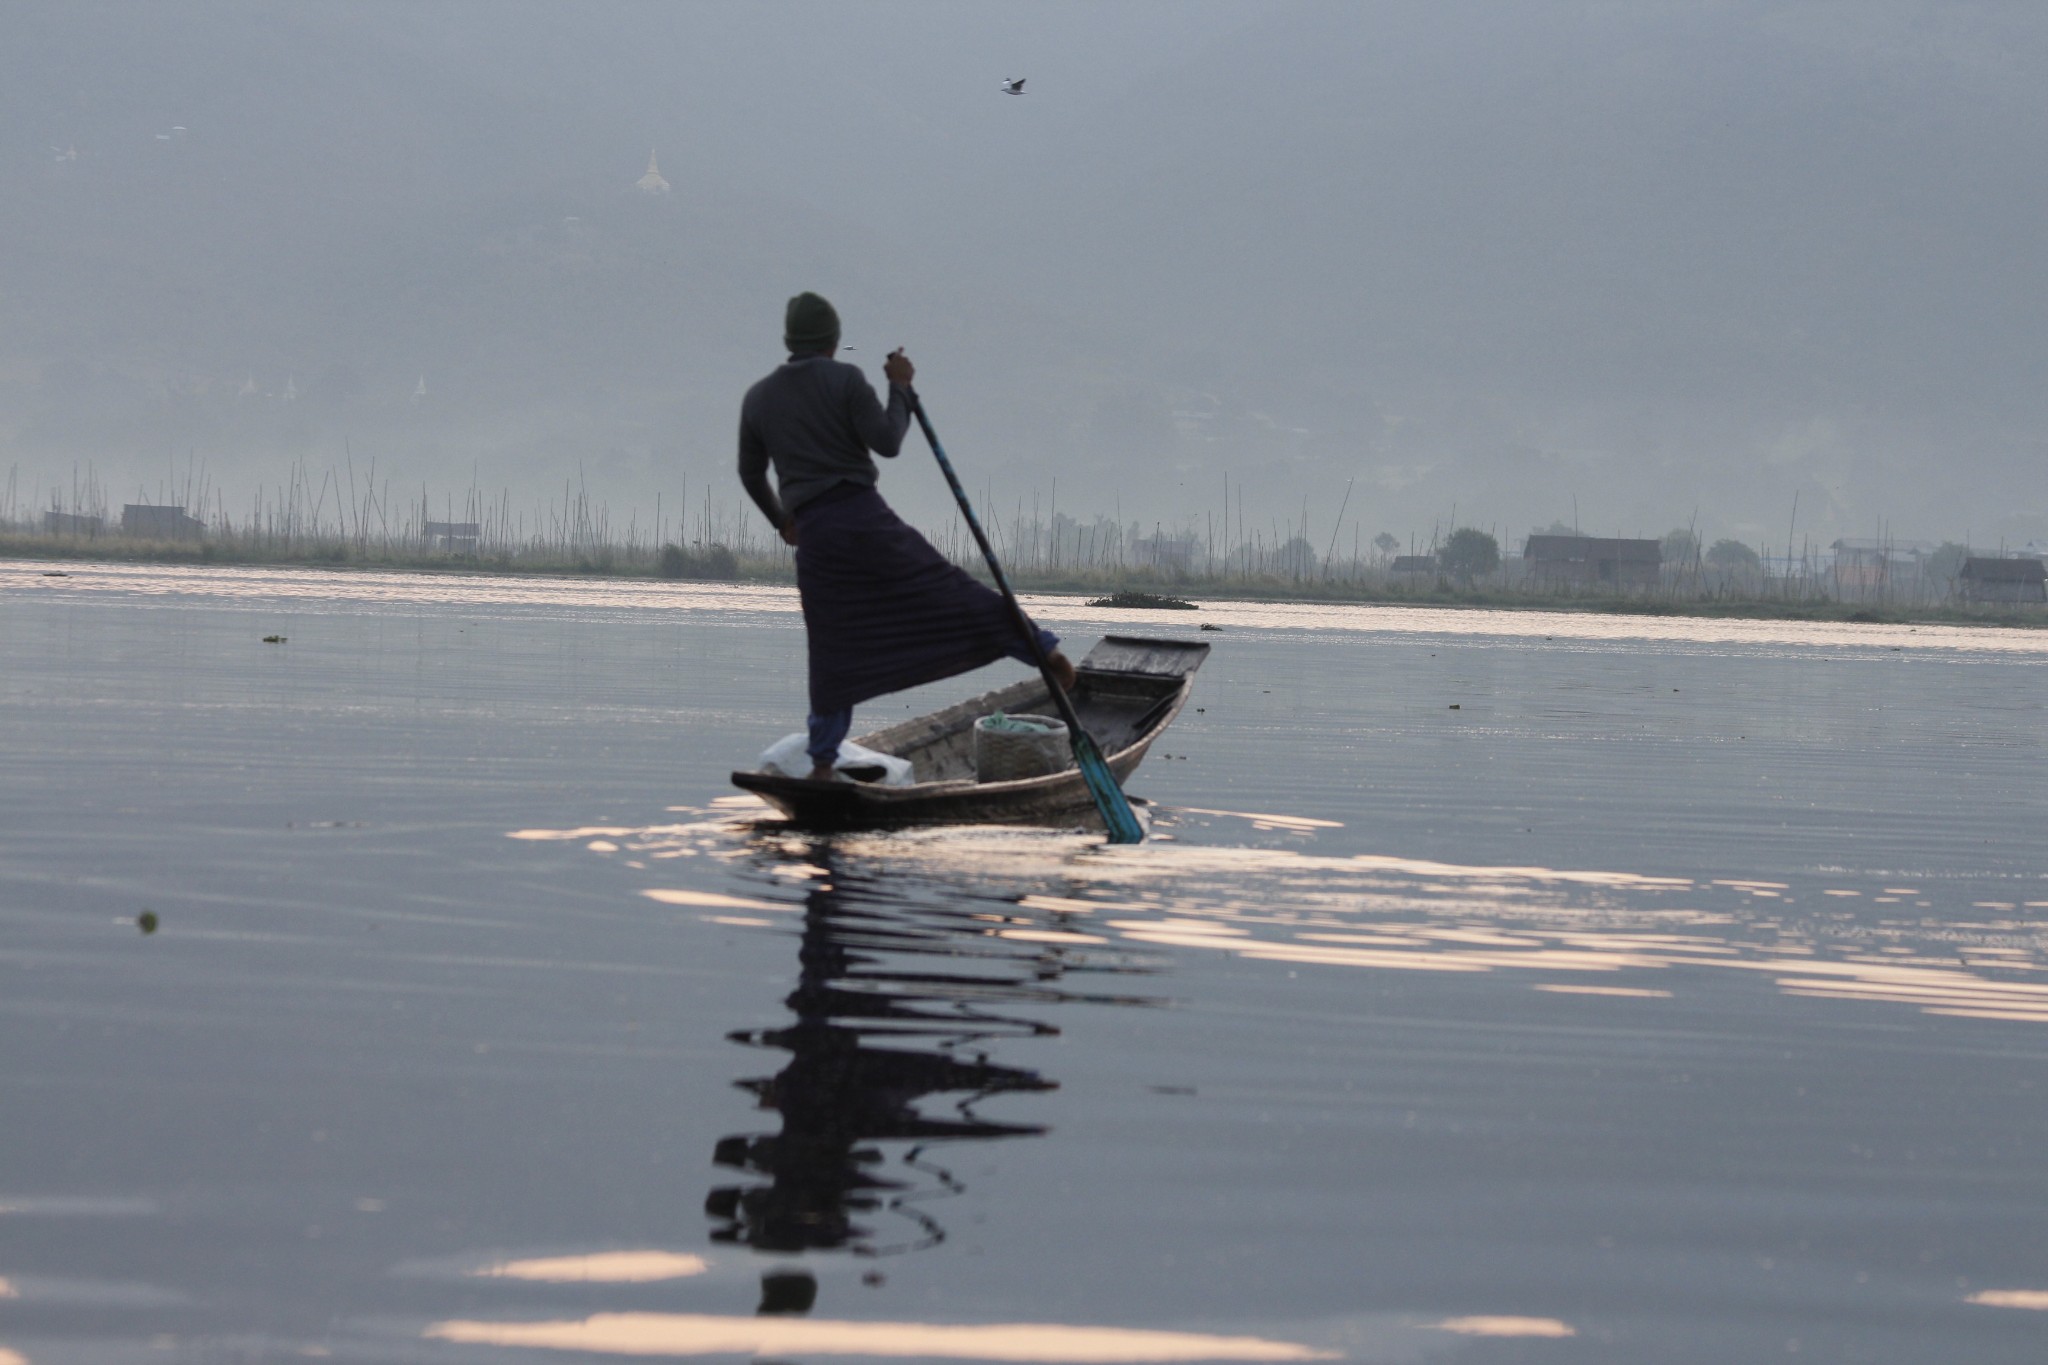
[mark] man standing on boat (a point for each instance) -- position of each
(883, 610)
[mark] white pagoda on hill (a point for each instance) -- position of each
(652, 183)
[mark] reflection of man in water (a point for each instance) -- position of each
(838, 1093)
(883, 610)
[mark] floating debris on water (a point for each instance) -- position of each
(1141, 601)
(273, 639)
(146, 921)
(787, 1291)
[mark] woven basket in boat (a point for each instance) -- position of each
(1008, 755)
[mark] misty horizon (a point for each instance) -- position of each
(1509, 265)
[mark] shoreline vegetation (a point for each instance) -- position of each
(1106, 585)
(349, 517)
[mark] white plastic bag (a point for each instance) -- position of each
(790, 757)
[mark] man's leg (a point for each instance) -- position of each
(827, 730)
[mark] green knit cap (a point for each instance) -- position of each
(810, 324)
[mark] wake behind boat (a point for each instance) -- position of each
(1129, 690)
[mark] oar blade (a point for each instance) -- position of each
(1117, 816)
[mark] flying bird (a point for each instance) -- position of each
(1013, 85)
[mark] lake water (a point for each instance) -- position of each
(1495, 987)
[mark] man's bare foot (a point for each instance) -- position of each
(1062, 670)
(822, 772)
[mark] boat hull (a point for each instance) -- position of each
(1129, 691)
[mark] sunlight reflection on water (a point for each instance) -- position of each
(337, 586)
(705, 1334)
(602, 1267)
(1375, 913)
(316, 586)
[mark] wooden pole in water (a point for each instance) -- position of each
(1790, 528)
(1334, 529)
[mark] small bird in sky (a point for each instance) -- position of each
(1013, 85)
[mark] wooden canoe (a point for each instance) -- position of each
(1128, 692)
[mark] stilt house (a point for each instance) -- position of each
(459, 536)
(159, 522)
(1592, 562)
(72, 524)
(2002, 580)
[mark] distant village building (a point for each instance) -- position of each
(652, 183)
(459, 536)
(72, 524)
(1871, 568)
(1804, 567)
(1860, 567)
(159, 523)
(1591, 562)
(2003, 580)
(1414, 566)
(1175, 554)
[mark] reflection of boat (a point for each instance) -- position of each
(1129, 692)
(875, 1034)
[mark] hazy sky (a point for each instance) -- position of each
(1509, 256)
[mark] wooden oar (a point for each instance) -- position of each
(1117, 815)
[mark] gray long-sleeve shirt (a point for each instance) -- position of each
(815, 420)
